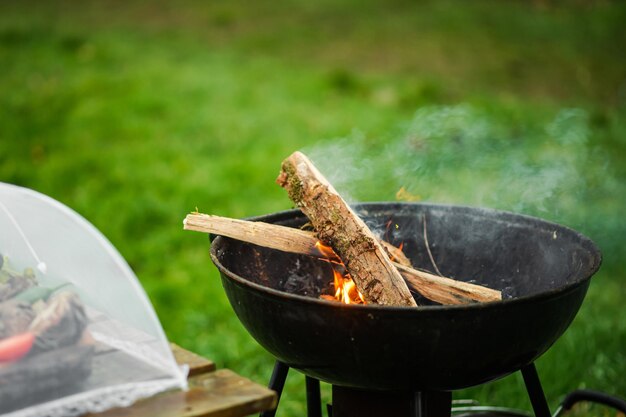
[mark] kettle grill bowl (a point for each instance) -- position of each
(542, 268)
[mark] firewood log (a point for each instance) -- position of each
(439, 289)
(338, 226)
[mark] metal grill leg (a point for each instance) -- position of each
(313, 397)
(277, 383)
(431, 404)
(535, 392)
(416, 405)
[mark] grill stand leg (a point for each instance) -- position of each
(431, 404)
(313, 397)
(535, 392)
(422, 404)
(277, 383)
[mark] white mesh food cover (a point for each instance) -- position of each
(77, 332)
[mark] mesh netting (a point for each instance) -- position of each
(77, 332)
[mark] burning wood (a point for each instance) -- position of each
(337, 225)
(287, 239)
(395, 254)
(368, 273)
(344, 288)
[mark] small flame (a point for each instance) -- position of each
(396, 254)
(345, 288)
(327, 251)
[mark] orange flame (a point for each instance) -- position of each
(345, 288)
(327, 251)
(395, 254)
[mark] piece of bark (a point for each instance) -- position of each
(302, 242)
(339, 227)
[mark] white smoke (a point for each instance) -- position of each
(462, 155)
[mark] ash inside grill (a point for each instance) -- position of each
(294, 274)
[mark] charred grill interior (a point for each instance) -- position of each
(543, 270)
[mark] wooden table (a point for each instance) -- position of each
(212, 393)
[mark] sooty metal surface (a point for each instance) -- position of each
(542, 268)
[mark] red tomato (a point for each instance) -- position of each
(16, 347)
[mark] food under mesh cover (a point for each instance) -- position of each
(77, 332)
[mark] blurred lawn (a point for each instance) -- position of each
(135, 113)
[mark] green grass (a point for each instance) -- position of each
(136, 113)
